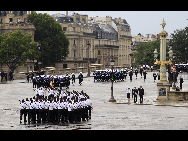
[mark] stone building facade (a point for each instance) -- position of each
(11, 21)
(107, 37)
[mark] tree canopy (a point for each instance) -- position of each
(16, 47)
(180, 45)
(49, 33)
(144, 54)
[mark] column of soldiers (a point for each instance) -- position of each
(118, 75)
(105, 76)
(51, 81)
(55, 81)
(62, 107)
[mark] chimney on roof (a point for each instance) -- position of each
(67, 13)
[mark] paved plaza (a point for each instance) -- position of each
(151, 114)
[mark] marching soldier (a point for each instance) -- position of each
(80, 77)
(141, 70)
(181, 81)
(131, 74)
(73, 79)
(23, 111)
(136, 72)
(144, 73)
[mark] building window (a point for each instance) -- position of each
(74, 29)
(64, 28)
(99, 52)
(74, 42)
(64, 65)
(74, 53)
(99, 61)
(1, 20)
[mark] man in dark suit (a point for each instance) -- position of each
(141, 93)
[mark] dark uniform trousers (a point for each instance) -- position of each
(42, 115)
(135, 98)
(51, 116)
(86, 112)
(56, 114)
(70, 116)
(37, 113)
(32, 115)
(23, 112)
(89, 108)
(61, 114)
(141, 98)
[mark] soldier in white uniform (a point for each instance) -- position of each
(70, 111)
(23, 111)
(50, 112)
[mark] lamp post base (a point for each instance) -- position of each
(112, 100)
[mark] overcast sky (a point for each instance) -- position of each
(144, 22)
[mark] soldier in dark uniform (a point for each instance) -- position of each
(131, 74)
(136, 72)
(144, 73)
(181, 81)
(73, 78)
(32, 74)
(34, 82)
(80, 77)
(27, 74)
(141, 70)
(2, 75)
(11, 75)
(94, 74)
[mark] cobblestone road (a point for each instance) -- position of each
(105, 115)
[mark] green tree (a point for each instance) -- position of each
(144, 54)
(16, 47)
(180, 45)
(49, 33)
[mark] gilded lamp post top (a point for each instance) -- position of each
(163, 24)
(163, 32)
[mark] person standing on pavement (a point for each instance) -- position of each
(131, 74)
(181, 81)
(136, 72)
(128, 94)
(73, 79)
(154, 76)
(135, 93)
(141, 93)
(144, 73)
(141, 70)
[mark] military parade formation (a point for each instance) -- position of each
(58, 107)
(54, 104)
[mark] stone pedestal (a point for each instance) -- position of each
(162, 89)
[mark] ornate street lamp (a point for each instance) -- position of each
(112, 80)
(155, 54)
